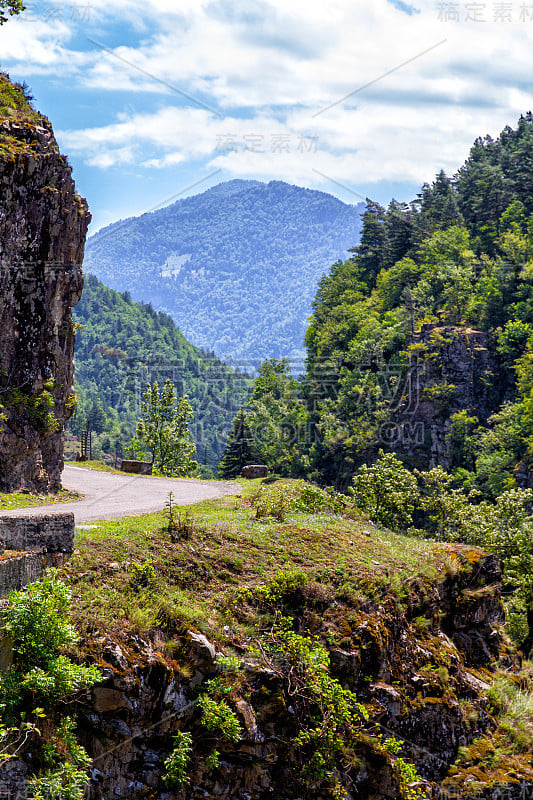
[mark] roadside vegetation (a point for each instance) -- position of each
(9, 500)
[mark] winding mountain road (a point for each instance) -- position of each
(107, 495)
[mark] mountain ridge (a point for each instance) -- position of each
(235, 266)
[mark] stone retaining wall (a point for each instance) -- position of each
(136, 467)
(49, 533)
(42, 541)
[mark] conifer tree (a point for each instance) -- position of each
(239, 450)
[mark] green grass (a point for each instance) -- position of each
(199, 579)
(101, 466)
(28, 500)
(13, 104)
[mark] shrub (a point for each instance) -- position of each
(175, 775)
(65, 782)
(327, 716)
(218, 716)
(387, 491)
(142, 576)
(272, 502)
(67, 762)
(278, 499)
(35, 620)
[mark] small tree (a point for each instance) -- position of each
(164, 429)
(239, 450)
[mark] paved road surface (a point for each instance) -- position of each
(107, 496)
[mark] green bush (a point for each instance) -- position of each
(36, 622)
(65, 782)
(328, 717)
(175, 775)
(387, 491)
(67, 762)
(272, 501)
(276, 500)
(218, 716)
(142, 576)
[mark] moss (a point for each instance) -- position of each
(14, 105)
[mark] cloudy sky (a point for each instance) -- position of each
(157, 99)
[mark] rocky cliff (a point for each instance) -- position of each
(421, 667)
(43, 224)
(450, 368)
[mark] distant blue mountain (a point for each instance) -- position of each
(236, 266)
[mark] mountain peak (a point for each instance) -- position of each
(236, 266)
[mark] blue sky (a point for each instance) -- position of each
(158, 99)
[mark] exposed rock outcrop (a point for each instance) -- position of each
(449, 371)
(43, 224)
(417, 666)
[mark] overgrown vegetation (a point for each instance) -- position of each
(15, 99)
(35, 621)
(457, 260)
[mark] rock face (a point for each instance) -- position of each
(43, 224)
(412, 665)
(448, 367)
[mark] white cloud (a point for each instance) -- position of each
(268, 67)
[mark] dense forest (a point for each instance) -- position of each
(422, 341)
(120, 346)
(236, 267)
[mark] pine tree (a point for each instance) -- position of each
(239, 450)
(373, 244)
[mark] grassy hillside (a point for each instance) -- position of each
(389, 617)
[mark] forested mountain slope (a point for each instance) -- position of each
(122, 345)
(422, 342)
(236, 267)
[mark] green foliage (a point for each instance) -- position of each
(38, 408)
(122, 345)
(64, 782)
(387, 491)
(212, 761)
(277, 417)
(36, 622)
(272, 501)
(407, 771)
(142, 576)
(240, 448)
(278, 499)
(217, 716)
(175, 775)
(163, 427)
(513, 707)
(9, 8)
(67, 762)
(327, 716)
